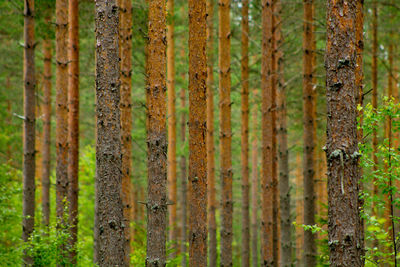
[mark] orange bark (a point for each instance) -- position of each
(268, 125)
(197, 134)
(125, 42)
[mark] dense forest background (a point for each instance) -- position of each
(11, 124)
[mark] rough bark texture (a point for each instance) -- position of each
(125, 42)
(299, 211)
(171, 174)
(267, 251)
(283, 153)
(308, 133)
(157, 135)
(212, 204)
(61, 107)
(73, 122)
(225, 131)
(245, 136)
(111, 240)
(254, 187)
(183, 176)
(345, 227)
(29, 127)
(197, 134)
(47, 74)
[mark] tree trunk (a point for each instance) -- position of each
(183, 175)
(61, 107)
(275, 192)
(374, 74)
(284, 187)
(73, 122)
(212, 205)
(197, 133)
(47, 57)
(345, 227)
(309, 135)
(28, 219)
(125, 42)
(225, 131)
(157, 136)
(299, 211)
(173, 228)
(111, 240)
(254, 187)
(267, 249)
(245, 136)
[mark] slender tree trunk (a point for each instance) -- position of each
(183, 175)
(73, 122)
(345, 227)
(299, 211)
(267, 249)
(111, 239)
(61, 107)
(197, 133)
(28, 219)
(125, 42)
(47, 55)
(275, 188)
(225, 131)
(254, 187)
(157, 136)
(245, 136)
(309, 128)
(374, 74)
(212, 224)
(173, 228)
(284, 187)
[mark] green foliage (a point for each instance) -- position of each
(10, 215)
(384, 176)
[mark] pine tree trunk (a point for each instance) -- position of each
(156, 136)
(309, 134)
(173, 228)
(111, 239)
(197, 133)
(212, 205)
(61, 107)
(284, 187)
(245, 136)
(125, 42)
(254, 187)
(275, 188)
(47, 57)
(345, 227)
(267, 248)
(299, 211)
(73, 122)
(374, 78)
(225, 131)
(183, 176)
(28, 219)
